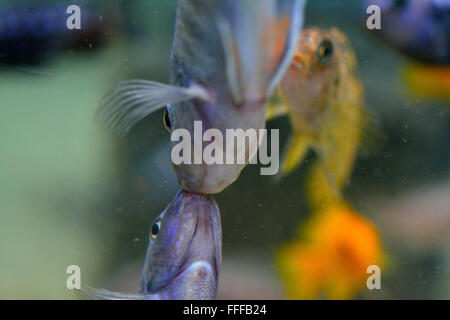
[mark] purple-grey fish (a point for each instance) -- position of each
(227, 58)
(183, 256)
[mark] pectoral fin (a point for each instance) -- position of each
(295, 152)
(133, 100)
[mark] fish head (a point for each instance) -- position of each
(184, 237)
(321, 61)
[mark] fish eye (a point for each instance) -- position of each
(155, 229)
(166, 120)
(326, 51)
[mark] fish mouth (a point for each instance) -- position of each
(299, 65)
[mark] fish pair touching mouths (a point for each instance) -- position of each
(227, 58)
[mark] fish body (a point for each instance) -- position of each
(227, 58)
(184, 254)
(331, 254)
(325, 104)
(420, 29)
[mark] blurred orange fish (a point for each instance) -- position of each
(325, 104)
(330, 256)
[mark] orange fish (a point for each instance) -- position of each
(330, 256)
(324, 100)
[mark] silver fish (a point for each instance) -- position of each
(184, 254)
(227, 58)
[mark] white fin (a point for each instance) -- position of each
(258, 44)
(102, 294)
(290, 44)
(133, 100)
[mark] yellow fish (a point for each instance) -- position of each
(330, 256)
(324, 100)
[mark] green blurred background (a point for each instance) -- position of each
(72, 193)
